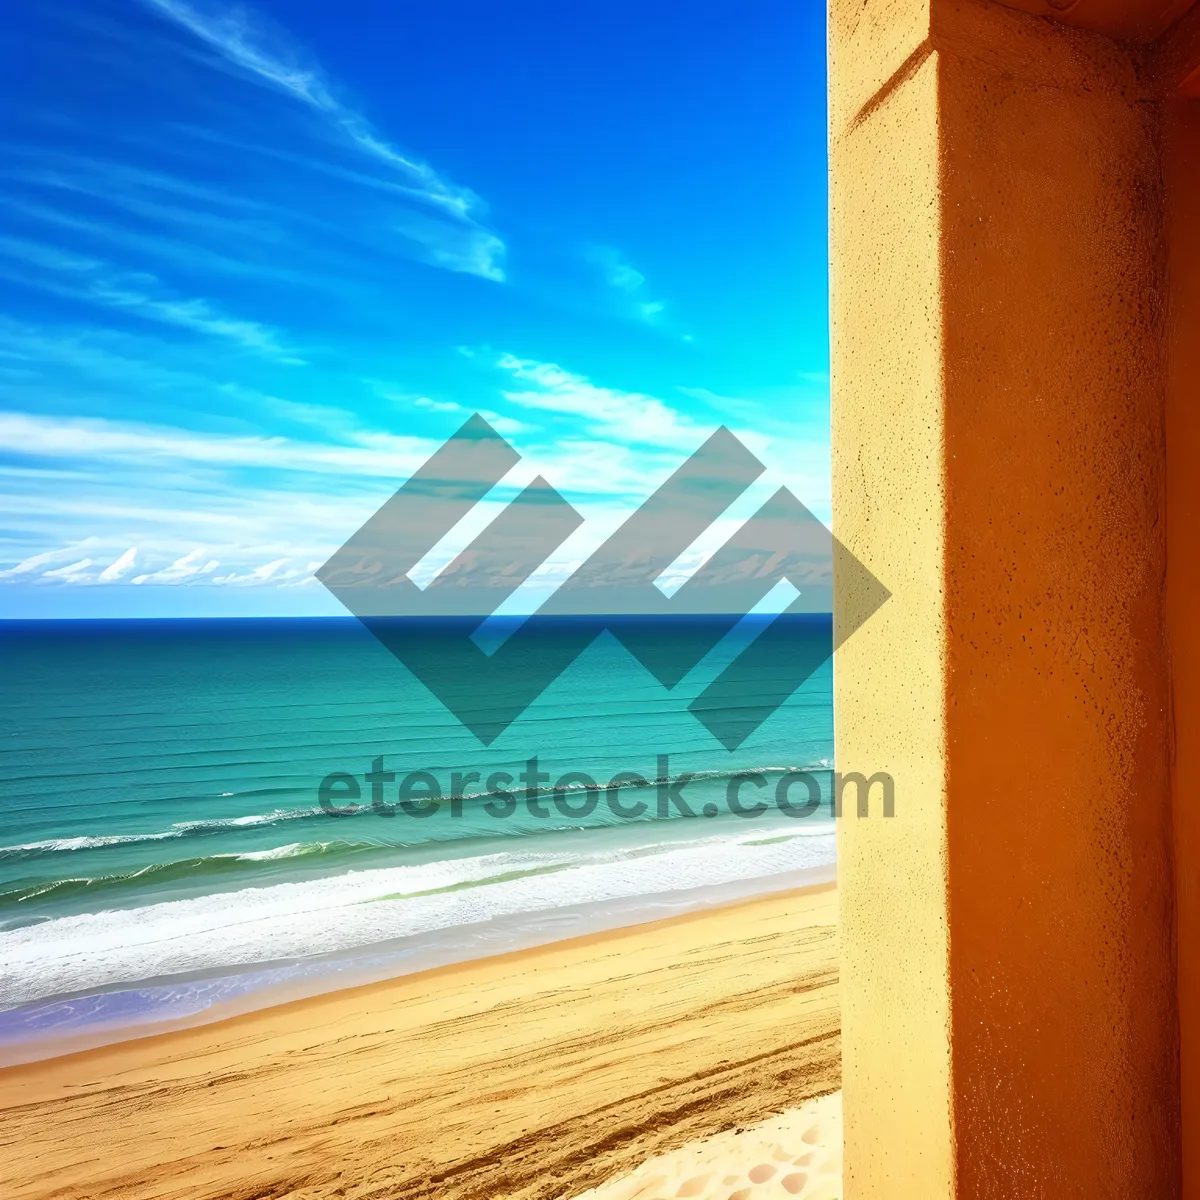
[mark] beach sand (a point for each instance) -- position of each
(794, 1156)
(541, 1073)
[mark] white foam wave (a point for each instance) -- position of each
(292, 850)
(360, 908)
(178, 830)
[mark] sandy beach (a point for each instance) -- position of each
(534, 1074)
(796, 1155)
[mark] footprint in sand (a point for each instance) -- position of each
(649, 1188)
(759, 1163)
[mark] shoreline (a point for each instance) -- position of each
(525, 1074)
(370, 964)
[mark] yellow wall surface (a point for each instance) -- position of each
(887, 461)
(998, 376)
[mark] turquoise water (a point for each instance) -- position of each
(164, 850)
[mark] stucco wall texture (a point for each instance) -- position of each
(1002, 350)
(1182, 174)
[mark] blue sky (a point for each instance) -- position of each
(257, 262)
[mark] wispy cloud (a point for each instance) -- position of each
(376, 454)
(194, 314)
(139, 294)
(365, 460)
(265, 54)
(74, 571)
(606, 412)
(267, 509)
(95, 501)
(439, 406)
(36, 564)
(619, 273)
(499, 422)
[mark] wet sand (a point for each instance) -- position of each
(540, 1073)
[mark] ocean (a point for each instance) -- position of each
(169, 854)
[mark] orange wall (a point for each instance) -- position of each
(1059, 836)
(1182, 171)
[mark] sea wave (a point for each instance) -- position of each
(358, 908)
(181, 829)
(201, 869)
(219, 825)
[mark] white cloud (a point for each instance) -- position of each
(48, 257)
(115, 570)
(47, 558)
(194, 314)
(268, 570)
(174, 490)
(140, 294)
(267, 573)
(620, 274)
(332, 421)
(182, 568)
(441, 406)
(503, 424)
(74, 570)
(606, 412)
(267, 55)
(92, 438)
(787, 428)
(499, 422)
(178, 501)
(624, 277)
